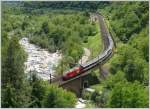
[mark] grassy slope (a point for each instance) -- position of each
(94, 43)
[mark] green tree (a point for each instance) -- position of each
(45, 27)
(126, 94)
(16, 91)
(135, 70)
(38, 91)
(111, 80)
(24, 25)
(4, 46)
(129, 60)
(7, 96)
(140, 42)
(59, 98)
(14, 64)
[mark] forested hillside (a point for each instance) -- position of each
(127, 82)
(63, 31)
(66, 27)
(82, 5)
(51, 30)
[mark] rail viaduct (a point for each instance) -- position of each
(78, 83)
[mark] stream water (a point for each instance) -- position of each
(40, 60)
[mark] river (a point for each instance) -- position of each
(40, 60)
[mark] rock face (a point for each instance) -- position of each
(40, 60)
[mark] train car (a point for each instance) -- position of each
(72, 73)
(92, 63)
(89, 63)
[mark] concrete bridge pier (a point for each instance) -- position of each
(76, 86)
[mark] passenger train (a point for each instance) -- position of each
(83, 68)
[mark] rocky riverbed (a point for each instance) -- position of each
(40, 60)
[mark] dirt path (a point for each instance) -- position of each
(85, 56)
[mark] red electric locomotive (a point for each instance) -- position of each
(72, 73)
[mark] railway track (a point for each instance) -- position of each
(100, 59)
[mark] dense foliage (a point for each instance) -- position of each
(15, 89)
(53, 30)
(57, 97)
(132, 57)
(127, 18)
(128, 95)
(59, 32)
(66, 31)
(126, 85)
(49, 96)
(80, 5)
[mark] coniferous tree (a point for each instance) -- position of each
(58, 98)
(38, 91)
(16, 91)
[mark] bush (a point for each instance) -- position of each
(126, 94)
(58, 98)
(86, 95)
